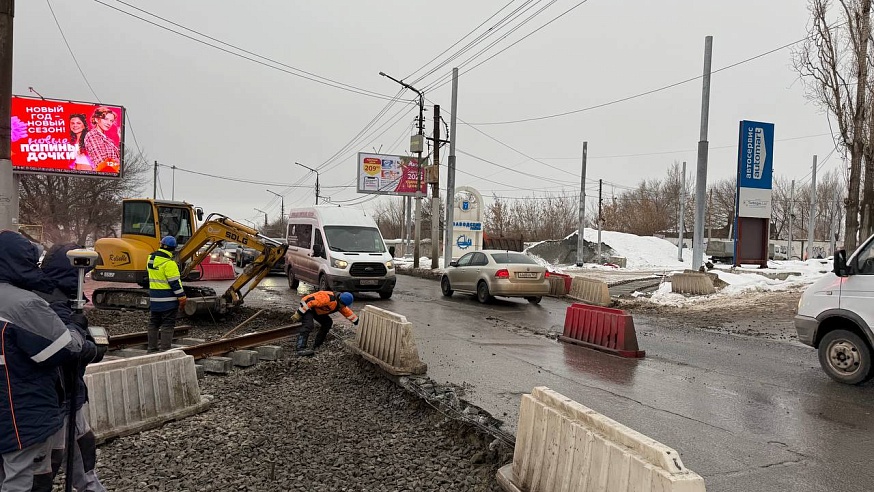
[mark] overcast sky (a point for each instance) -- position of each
(204, 110)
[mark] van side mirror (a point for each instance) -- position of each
(840, 264)
(391, 251)
(318, 250)
(453, 263)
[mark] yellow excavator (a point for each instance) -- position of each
(144, 223)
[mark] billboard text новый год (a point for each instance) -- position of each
(61, 137)
(389, 175)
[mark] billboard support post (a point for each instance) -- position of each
(435, 193)
(8, 180)
(450, 175)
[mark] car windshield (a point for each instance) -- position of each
(356, 239)
(504, 258)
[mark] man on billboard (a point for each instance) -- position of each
(100, 148)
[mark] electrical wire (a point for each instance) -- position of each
(282, 67)
(239, 180)
(81, 72)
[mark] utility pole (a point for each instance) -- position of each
(682, 228)
(435, 194)
(450, 176)
(155, 182)
(812, 219)
(173, 184)
(265, 216)
(701, 176)
(600, 218)
(281, 211)
(791, 219)
(317, 179)
(418, 166)
(581, 244)
(8, 179)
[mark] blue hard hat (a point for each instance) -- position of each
(346, 298)
(168, 241)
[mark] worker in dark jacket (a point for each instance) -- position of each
(318, 306)
(166, 295)
(57, 267)
(34, 343)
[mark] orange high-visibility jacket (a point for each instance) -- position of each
(325, 302)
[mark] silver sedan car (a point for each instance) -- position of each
(491, 273)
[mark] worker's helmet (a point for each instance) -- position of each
(169, 241)
(346, 298)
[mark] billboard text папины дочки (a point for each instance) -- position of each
(389, 175)
(61, 137)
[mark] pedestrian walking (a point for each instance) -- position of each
(318, 306)
(34, 343)
(166, 295)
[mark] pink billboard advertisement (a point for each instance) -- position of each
(62, 137)
(389, 175)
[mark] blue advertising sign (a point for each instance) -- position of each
(755, 155)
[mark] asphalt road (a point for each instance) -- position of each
(746, 413)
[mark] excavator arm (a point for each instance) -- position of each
(212, 233)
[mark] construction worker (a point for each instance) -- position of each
(318, 307)
(166, 295)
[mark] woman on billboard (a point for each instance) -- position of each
(102, 151)
(78, 131)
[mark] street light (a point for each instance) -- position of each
(418, 165)
(265, 216)
(281, 210)
(317, 179)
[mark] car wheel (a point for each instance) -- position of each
(845, 357)
(445, 287)
(534, 299)
(385, 294)
(293, 282)
(482, 292)
(323, 283)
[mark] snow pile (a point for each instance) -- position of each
(641, 253)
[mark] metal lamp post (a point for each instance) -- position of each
(282, 209)
(317, 179)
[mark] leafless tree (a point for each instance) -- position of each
(834, 64)
(80, 208)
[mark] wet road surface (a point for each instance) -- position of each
(748, 414)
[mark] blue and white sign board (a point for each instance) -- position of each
(467, 225)
(755, 169)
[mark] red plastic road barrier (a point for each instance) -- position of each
(216, 271)
(567, 279)
(605, 329)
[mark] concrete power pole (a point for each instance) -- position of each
(701, 177)
(8, 179)
(580, 242)
(155, 182)
(682, 224)
(812, 219)
(435, 194)
(600, 218)
(450, 175)
(791, 219)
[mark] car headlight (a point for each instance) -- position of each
(339, 263)
(390, 265)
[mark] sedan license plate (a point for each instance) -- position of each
(526, 274)
(370, 282)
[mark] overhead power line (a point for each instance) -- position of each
(242, 180)
(242, 53)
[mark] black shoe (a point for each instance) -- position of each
(304, 353)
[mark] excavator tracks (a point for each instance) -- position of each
(138, 298)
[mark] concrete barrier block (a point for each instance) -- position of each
(244, 358)
(557, 286)
(201, 372)
(563, 445)
(692, 283)
(386, 339)
(218, 365)
(590, 291)
(619, 261)
(269, 352)
(190, 341)
(133, 394)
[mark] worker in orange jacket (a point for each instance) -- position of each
(318, 306)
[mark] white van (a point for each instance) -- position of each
(338, 248)
(836, 315)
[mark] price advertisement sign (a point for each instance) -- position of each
(390, 175)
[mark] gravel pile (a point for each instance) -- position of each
(326, 423)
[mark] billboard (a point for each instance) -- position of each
(755, 159)
(389, 174)
(63, 137)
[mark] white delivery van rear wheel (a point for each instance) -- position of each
(845, 357)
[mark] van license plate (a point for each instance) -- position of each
(370, 282)
(526, 274)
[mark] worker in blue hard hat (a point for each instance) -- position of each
(318, 306)
(166, 295)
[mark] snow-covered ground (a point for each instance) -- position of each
(647, 256)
